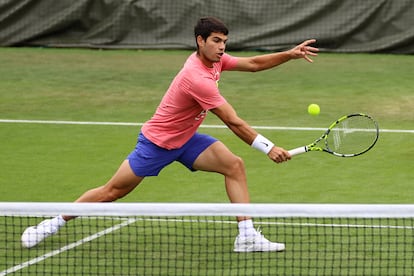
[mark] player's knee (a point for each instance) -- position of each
(237, 166)
(113, 194)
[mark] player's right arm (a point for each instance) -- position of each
(246, 133)
(228, 115)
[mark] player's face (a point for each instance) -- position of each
(212, 49)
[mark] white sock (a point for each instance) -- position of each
(246, 228)
(58, 221)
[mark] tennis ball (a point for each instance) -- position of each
(314, 109)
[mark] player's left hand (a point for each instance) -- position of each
(303, 50)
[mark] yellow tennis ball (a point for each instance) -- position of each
(314, 109)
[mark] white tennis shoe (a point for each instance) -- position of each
(35, 234)
(256, 243)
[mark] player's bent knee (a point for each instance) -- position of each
(237, 166)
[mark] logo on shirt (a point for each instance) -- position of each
(201, 116)
(217, 78)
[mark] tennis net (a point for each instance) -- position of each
(197, 239)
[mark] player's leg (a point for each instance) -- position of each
(123, 182)
(218, 158)
(145, 160)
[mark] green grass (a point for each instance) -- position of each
(58, 162)
(46, 162)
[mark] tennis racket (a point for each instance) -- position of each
(349, 136)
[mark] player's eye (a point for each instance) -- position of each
(219, 40)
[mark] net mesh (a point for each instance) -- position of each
(319, 241)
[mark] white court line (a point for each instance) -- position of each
(54, 122)
(66, 248)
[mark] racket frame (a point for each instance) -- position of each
(313, 146)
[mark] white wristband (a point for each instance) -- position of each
(263, 144)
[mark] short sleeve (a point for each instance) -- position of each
(207, 95)
(228, 62)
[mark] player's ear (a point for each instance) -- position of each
(200, 41)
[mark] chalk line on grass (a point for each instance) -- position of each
(54, 122)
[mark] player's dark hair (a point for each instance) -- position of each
(207, 25)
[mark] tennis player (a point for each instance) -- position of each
(171, 134)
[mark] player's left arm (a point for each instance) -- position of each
(267, 61)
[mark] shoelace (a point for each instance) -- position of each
(48, 230)
(259, 231)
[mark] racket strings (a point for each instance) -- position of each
(353, 135)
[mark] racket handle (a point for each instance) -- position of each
(298, 150)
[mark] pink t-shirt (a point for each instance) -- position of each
(183, 108)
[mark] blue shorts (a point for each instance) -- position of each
(148, 159)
